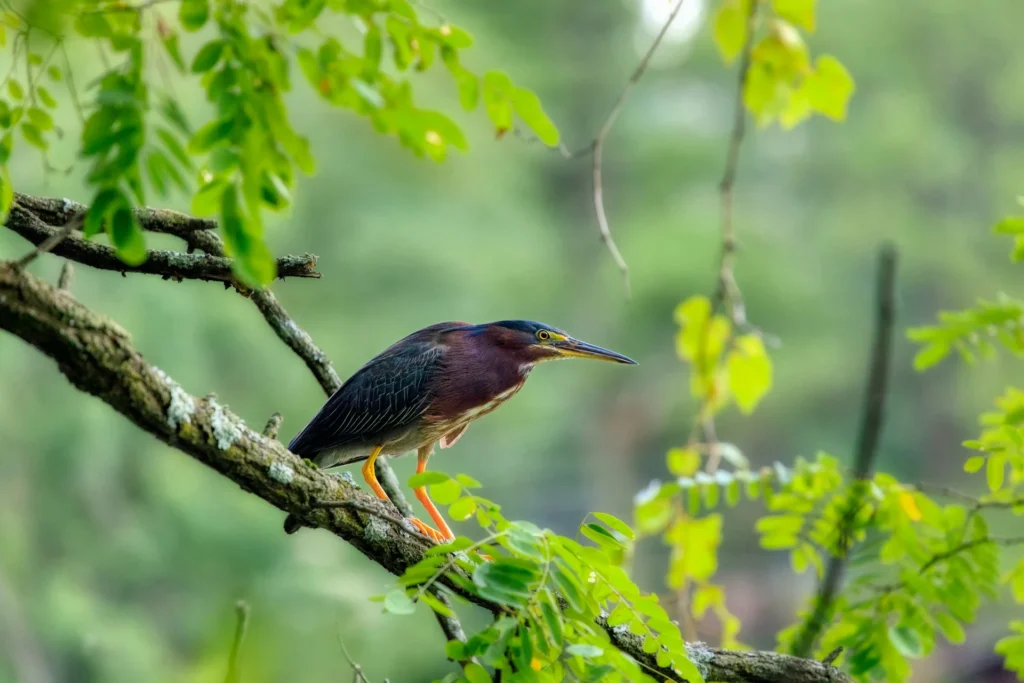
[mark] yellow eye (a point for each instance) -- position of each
(543, 335)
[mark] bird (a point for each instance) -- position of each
(425, 390)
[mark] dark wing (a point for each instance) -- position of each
(388, 393)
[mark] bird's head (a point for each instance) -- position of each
(534, 342)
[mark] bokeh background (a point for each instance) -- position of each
(120, 559)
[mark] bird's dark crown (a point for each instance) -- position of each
(526, 326)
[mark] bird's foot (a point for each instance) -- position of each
(427, 530)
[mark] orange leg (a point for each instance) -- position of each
(421, 493)
(370, 475)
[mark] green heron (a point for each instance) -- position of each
(425, 389)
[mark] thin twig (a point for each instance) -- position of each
(602, 136)
(866, 451)
(51, 241)
(967, 545)
(832, 656)
(241, 626)
(72, 90)
(273, 426)
(111, 9)
(728, 292)
(975, 503)
(357, 670)
(67, 272)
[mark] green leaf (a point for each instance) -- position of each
(616, 524)
(462, 509)
(127, 236)
(568, 586)
(6, 193)
(951, 628)
(476, 674)
(730, 29)
(995, 471)
(974, 463)
(930, 355)
(800, 12)
(455, 650)
(750, 372)
(33, 135)
(467, 481)
(906, 641)
(529, 108)
(208, 56)
(620, 615)
(173, 48)
(397, 602)
(211, 134)
(683, 462)
(436, 605)
(40, 118)
(552, 619)
(497, 90)
(584, 650)
(525, 541)
(174, 146)
(446, 492)
(1011, 225)
(428, 478)
(97, 213)
(829, 88)
(503, 581)
(193, 14)
(207, 201)
(15, 89)
(46, 97)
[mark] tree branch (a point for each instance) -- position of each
(169, 264)
(200, 233)
(97, 357)
(597, 147)
(728, 291)
(866, 452)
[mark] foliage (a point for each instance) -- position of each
(923, 567)
(552, 589)
(242, 163)
(782, 83)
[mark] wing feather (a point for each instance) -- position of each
(387, 394)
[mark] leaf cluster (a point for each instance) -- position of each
(553, 596)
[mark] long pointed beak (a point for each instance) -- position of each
(574, 348)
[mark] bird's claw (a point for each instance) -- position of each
(427, 530)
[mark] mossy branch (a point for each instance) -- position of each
(97, 357)
(169, 264)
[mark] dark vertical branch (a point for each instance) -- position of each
(241, 626)
(865, 454)
(727, 292)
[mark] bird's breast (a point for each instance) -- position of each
(474, 412)
(469, 399)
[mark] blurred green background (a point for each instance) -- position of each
(120, 559)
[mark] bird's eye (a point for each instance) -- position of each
(543, 335)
